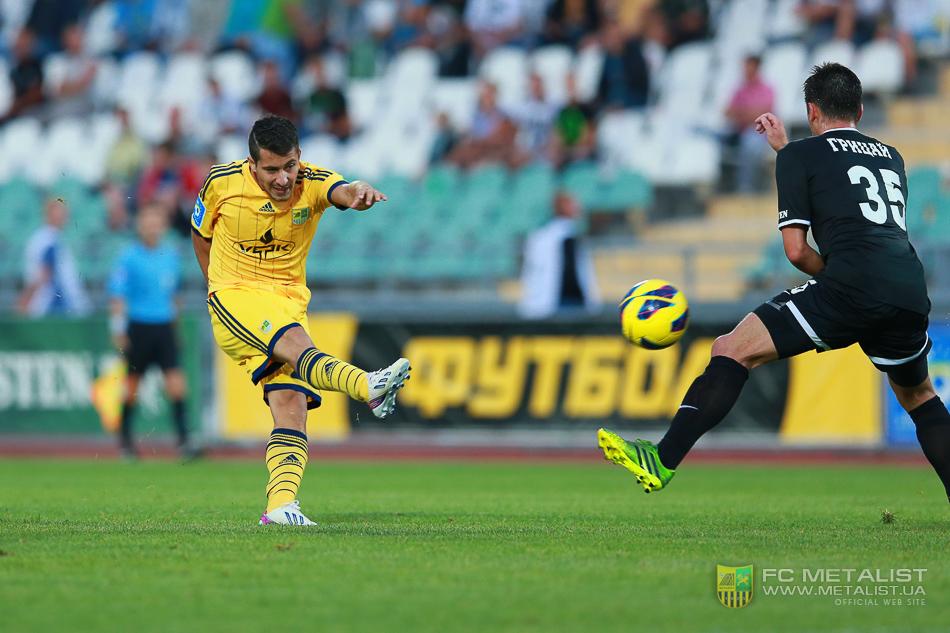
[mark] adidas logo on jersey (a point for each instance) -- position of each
(267, 208)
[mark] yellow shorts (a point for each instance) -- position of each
(247, 323)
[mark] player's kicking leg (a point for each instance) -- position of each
(377, 389)
(286, 459)
(708, 400)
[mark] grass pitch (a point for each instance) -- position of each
(104, 546)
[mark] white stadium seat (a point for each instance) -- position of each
(784, 69)
(553, 64)
(458, 98)
(507, 68)
(784, 21)
(235, 73)
(742, 28)
(839, 51)
(138, 79)
(880, 65)
(233, 147)
(362, 101)
(22, 141)
(588, 67)
(620, 137)
(684, 80)
(185, 81)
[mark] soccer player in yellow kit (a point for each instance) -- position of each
(252, 227)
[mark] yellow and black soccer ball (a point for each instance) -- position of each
(654, 314)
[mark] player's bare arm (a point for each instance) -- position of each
(202, 248)
(774, 130)
(357, 195)
(799, 251)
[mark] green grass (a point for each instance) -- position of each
(103, 546)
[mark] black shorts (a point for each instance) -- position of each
(819, 316)
(151, 344)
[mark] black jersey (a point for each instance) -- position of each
(851, 190)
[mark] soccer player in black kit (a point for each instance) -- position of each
(867, 284)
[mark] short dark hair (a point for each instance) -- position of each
(836, 90)
(275, 134)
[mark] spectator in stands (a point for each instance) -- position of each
(535, 120)
(625, 78)
(162, 178)
(751, 99)
(26, 77)
(51, 280)
(684, 21)
(445, 139)
(274, 97)
(574, 136)
(491, 137)
(128, 155)
(324, 109)
(223, 113)
(824, 20)
(493, 23)
(450, 42)
(70, 90)
(49, 20)
(571, 21)
(558, 273)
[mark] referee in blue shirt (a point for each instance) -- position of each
(143, 286)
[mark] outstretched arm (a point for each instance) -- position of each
(356, 195)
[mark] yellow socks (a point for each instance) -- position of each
(286, 458)
(332, 374)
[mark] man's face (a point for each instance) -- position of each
(151, 225)
(276, 174)
(56, 213)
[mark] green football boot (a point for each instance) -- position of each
(639, 457)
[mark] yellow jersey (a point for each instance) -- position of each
(257, 242)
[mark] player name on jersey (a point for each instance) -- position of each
(858, 147)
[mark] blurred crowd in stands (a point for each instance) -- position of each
(302, 53)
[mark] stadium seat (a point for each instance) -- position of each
(507, 68)
(66, 145)
(458, 98)
(626, 189)
(783, 67)
(235, 73)
(138, 79)
(727, 77)
(234, 147)
(742, 27)
(22, 139)
(553, 64)
(185, 81)
(684, 79)
(620, 136)
(588, 66)
(362, 101)
(839, 51)
(880, 65)
(530, 199)
(6, 87)
(582, 180)
(784, 22)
